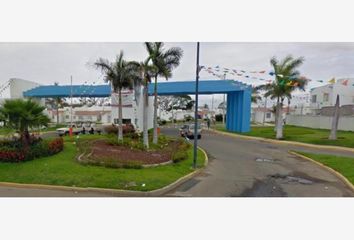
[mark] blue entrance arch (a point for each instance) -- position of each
(238, 109)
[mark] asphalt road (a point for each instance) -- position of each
(255, 168)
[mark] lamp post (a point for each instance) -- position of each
(195, 152)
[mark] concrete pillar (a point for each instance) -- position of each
(238, 112)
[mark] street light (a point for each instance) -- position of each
(195, 152)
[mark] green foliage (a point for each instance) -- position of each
(218, 117)
(63, 169)
(22, 114)
(302, 134)
(16, 151)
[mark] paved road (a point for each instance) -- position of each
(255, 168)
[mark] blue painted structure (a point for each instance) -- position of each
(238, 96)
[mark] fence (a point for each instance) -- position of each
(346, 123)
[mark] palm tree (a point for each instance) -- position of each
(143, 73)
(287, 79)
(120, 75)
(22, 114)
(164, 61)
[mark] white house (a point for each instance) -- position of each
(325, 96)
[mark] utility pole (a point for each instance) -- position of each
(195, 152)
(71, 104)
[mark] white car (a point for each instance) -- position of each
(65, 131)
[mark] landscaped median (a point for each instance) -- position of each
(64, 169)
(343, 167)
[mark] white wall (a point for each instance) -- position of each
(322, 122)
(259, 115)
(135, 111)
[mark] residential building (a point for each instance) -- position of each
(325, 96)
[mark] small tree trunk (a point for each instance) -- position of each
(155, 137)
(335, 120)
(145, 116)
(276, 116)
(120, 116)
(279, 121)
(57, 112)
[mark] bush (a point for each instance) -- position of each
(182, 151)
(163, 122)
(113, 129)
(14, 151)
(218, 117)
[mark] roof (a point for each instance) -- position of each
(205, 87)
(164, 88)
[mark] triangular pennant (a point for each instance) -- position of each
(332, 81)
(345, 82)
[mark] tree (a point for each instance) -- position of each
(255, 97)
(142, 76)
(120, 75)
(167, 103)
(164, 62)
(22, 114)
(287, 80)
(335, 120)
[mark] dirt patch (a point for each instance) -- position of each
(101, 150)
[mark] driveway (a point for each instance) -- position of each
(255, 168)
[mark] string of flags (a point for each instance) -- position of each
(261, 75)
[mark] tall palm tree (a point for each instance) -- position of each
(164, 61)
(120, 75)
(22, 114)
(287, 80)
(143, 74)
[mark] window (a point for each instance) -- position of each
(81, 118)
(66, 116)
(268, 115)
(325, 97)
(314, 98)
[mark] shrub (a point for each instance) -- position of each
(14, 151)
(182, 151)
(113, 129)
(163, 122)
(218, 117)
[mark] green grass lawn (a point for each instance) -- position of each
(62, 169)
(302, 134)
(5, 130)
(343, 165)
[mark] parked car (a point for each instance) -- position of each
(187, 130)
(66, 130)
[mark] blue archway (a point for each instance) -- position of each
(238, 96)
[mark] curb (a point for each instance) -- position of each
(284, 142)
(337, 174)
(114, 192)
